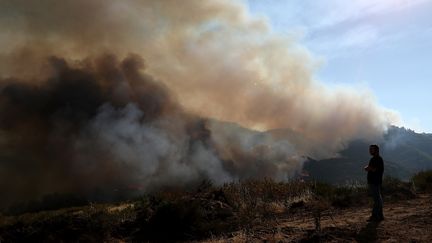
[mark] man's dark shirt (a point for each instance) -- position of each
(375, 177)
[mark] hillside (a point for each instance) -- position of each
(404, 151)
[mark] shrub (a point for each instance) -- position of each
(394, 189)
(261, 199)
(176, 220)
(339, 196)
(423, 181)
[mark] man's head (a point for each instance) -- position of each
(374, 150)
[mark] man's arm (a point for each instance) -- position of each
(370, 168)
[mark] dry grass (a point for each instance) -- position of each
(232, 211)
(423, 181)
(260, 200)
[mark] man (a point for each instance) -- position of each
(375, 170)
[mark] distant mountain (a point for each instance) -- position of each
(407, 148)
(404, 151)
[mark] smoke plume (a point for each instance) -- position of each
(79, 111)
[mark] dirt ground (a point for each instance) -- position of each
(405, 221)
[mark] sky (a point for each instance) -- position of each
(384, 46)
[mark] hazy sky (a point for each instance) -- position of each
(383, 45)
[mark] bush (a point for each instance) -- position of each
(423, 181)
(339, 196)
(172, 215)
(395, 189)
(176, 221)
(256, 200)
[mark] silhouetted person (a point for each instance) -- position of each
(375, 170)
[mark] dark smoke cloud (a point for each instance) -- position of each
(83, 119)
(43, 124)
(104, 123)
